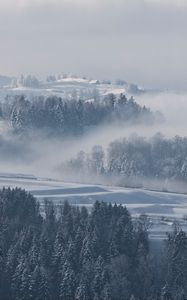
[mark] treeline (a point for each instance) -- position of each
(61, 116)
(136, 157)
(70, 253)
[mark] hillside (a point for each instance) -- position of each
(162, 208)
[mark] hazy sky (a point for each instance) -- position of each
(143, 41)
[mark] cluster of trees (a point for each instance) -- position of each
(72, 116)
(157, 158)
(28, 81)
(70, 253)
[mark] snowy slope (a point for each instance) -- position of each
(163, 208)
(63, 86)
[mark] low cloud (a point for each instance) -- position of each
(174, 106)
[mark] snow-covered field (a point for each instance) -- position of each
(163, 208)
(63, 86)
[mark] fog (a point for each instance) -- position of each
(41, 156)
(173, 106)
(140, 41)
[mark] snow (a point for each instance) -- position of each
(94, 81)
(162, 208)
(89, 101)
(61, 86)
(72, 79)
(115, 91)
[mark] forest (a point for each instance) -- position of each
(68, 252)
(133, 158)
(58, 116)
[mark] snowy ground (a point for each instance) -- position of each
(163, 208)
(65, 86)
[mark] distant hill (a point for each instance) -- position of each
(66, 85)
